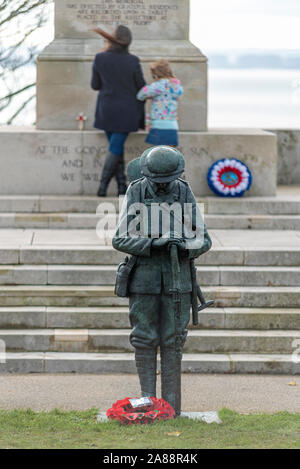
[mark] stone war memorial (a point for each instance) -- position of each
(59, 159)
(58, 309)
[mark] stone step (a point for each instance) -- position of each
(280, 205)
(117, 340)
(68, 317)
(53, 220)
(55, 204)
(50, 295)
(254, 222)
(286, 202)
(81, 296)
(55, 362)
(90, 221)
(106, 275)
(249, 318)
(117, 317)
(105, 255)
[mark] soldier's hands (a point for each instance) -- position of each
(160, 242)
(180, 243)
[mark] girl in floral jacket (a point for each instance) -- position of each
(164, 92)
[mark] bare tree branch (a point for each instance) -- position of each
(4, 5)
(19, 21)
(25, 8)
(15, 93)
(21, 108)
(20, 42)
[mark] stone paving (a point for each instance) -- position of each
(242, 393)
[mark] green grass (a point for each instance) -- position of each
(58, 429)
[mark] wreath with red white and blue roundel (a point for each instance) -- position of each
(229, 178)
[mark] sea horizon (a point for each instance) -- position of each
(237, 97)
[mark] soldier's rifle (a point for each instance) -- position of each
(176, 293)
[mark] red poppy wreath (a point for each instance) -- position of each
(124, 412)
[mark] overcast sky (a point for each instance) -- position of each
(250, 24)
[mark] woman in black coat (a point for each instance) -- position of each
(118, 76)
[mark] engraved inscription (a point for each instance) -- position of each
(84, 161)
(127, 12)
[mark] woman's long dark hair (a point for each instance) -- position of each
(113, 46)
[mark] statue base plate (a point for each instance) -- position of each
(207, 417)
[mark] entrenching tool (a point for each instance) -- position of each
(197, 293)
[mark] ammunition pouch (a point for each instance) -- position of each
(123, 276)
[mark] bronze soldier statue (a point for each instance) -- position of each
(158, 277)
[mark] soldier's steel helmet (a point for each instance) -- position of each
(134, 170)
(162, 164)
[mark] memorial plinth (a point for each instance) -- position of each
(71, 162)
(160, 30)
(56, 158)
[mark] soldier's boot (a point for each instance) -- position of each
(169, 372)
(120, 176)
(109, 170)
(145, 360)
